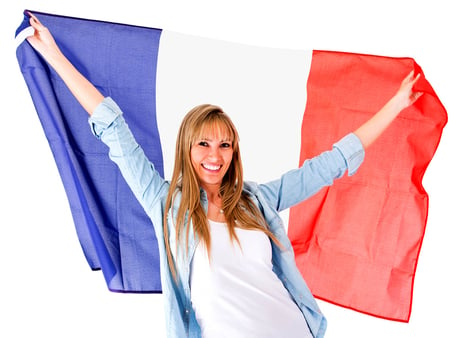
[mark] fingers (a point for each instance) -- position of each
(32, 16)
(410, 78)
(408, 93)
(35, 23)
(416, 78)
(414, 95)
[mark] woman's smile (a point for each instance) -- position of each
(211, 167)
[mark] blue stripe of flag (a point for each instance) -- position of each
(115, 233)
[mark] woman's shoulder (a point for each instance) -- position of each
(251, 187)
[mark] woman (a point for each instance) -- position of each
(227, 265)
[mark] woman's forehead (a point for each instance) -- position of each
(215, 131)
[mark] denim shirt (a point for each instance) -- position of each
(151, 190)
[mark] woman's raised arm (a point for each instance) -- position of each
(84, 91)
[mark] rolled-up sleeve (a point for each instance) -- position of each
(108, 125)
(315, 173)
(353, 152)
(103, 116)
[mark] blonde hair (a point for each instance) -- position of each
(239, 210)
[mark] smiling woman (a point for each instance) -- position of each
(208, 177)
(208, 159)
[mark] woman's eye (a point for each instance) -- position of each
(202, 143)
(225, 145)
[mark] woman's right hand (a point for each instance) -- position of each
(83, 90)
(42, 40)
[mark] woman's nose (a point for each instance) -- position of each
(214, 152)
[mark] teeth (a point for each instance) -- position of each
(211, 167)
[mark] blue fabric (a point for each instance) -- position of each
(120, 60)
(109, 124)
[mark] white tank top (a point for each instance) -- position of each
(237, 294)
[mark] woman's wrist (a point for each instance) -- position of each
(55, 58)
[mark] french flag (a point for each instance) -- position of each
(356, 243)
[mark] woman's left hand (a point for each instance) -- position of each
(406, 96)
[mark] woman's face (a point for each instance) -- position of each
(211, 157)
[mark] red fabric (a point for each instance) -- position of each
(357, 242)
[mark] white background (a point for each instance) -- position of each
(46, 287)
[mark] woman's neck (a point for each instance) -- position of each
(215, 207)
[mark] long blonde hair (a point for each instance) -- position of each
(239, 209)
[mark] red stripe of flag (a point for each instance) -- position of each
(357, 242)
